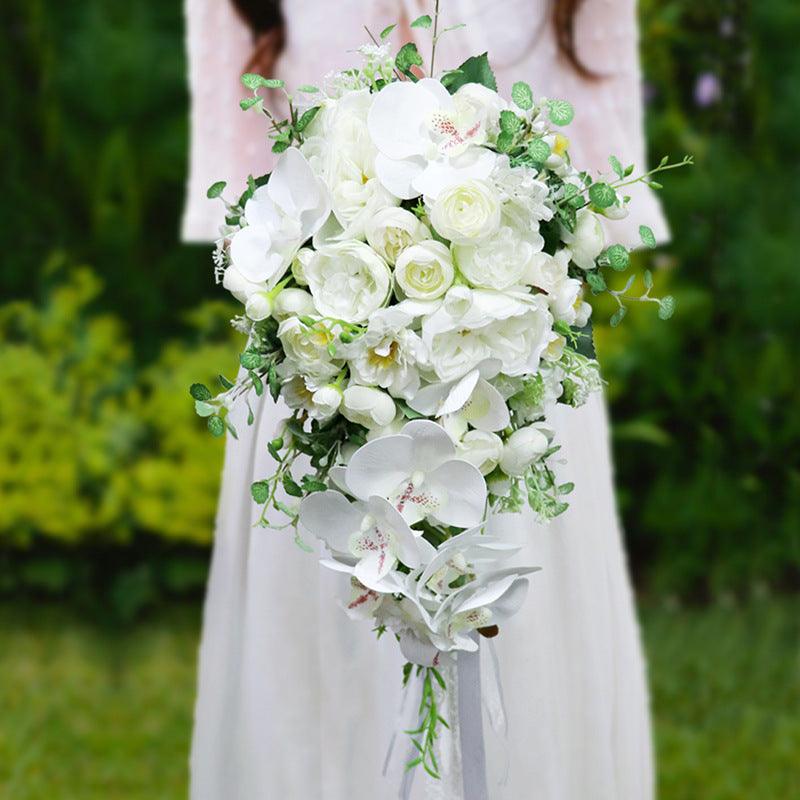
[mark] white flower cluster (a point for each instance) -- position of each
(399, 256)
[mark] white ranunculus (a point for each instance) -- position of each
(521, 449)
(307, 347)
(392, 230)
(367, 406)
(304, 255)
(388, 354)
(546, 272)
(292, 303)
(466, 213)
(344, 156)
(320, 402)
(587, 241)
(481, 448)
(499, 262)
(348, 281)
(427, 138)
(513, 328)
(279, 217)
(425, 271)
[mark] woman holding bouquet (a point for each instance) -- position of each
(294, 700)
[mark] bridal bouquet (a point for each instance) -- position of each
(414, 276)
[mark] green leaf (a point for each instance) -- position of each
(509, 122)
(273, 451)
(407, 411)
(311, 485)
(648, 279)
(561, 112)
(250, 359)
(505, 141)
(251, 80)
(248, 102)
(602, 195)
(259, 491)
(647, 236)
(258, 384)
(216, 426)
(216, 189)
(408, 56)
(539, 151)
(224, 382)
(386, 32)
(290, 486)
(424, 21)
(200, 391)
(618, 257)
(274, 382)
(308, 88)
(280, 147)
(666, 307)
(474, 70)
(566, 488)
(305, 119)
(250, 416)
(618, 316)
(616, 166)
(596, 282)
(203, 409)
(522, 95)
(272, 83)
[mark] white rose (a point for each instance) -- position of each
(392, 230)
(425, 271)
(367, 406)
(293, 303)
(499, 262)
(587, 241)
(348, 280)
(258, 306)
(307, 347)
(481, 448)
(521, 449)
(564, 300)
(467, 212)
(473, 325)
(299, 262)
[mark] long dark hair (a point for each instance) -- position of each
(265, 18)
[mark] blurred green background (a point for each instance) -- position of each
(108, 483)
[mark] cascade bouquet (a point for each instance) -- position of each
(414, 275)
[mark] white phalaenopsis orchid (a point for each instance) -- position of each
(417, 470)
(280, 216)
(427, 138)
(472, 397)
(373, 533)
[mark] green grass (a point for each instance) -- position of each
(88, 714)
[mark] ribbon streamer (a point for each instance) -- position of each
(470, 724)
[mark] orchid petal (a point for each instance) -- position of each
(464, 491)
(250, 251)
(330, 517)
(389, 517)
(460, 393)
(373, 568)
(431, 444)
(397, 176)
(397, 118)
(380, 466)
(487, 410)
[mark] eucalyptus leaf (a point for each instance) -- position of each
(216, 189)
(199, 391)
(648, 279)
(387, 31)
(618, 257)
(306, 118)
(616, 166)
(602, 195)
(216, 426)
(307, 88)
(259, 491)
(539, 151)
(522, 95)
(248, 102)
(618, 316)
(561, 112)
(666, 307)
(509, 122)
(647, 236)
(424, 21)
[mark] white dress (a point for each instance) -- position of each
(294, 699)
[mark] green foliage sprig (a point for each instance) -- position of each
(424, 737)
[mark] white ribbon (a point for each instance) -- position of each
(470, 725)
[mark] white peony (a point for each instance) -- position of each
(427, 138)
(292, 303)
(348, 281)
(368, 406)
(474, 325)
(425, 271)
(499, 262)
(467, 212)
(392, 230)
(344, 156)
(388, 355)
(587, 241)
(521, 449)
(279, 218)
(481, 448)
(307, 348)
